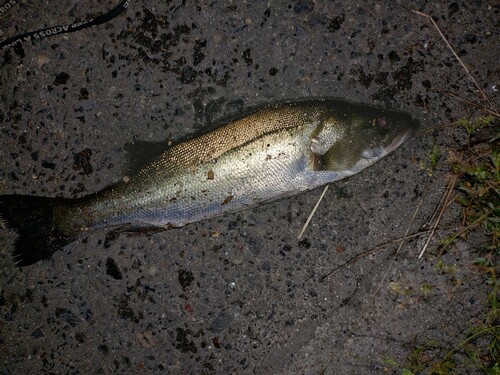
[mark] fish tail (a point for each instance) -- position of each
(38, 223)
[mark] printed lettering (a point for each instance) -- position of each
(48, 32)
(79, 24)
(53, 30)
(16, 42)
(4, 8)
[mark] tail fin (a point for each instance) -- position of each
(35, 221)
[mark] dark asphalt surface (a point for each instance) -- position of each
(238, 294)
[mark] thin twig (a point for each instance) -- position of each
(459, 60)
(439, 207)
(471, 103)
(492, 330)
(399, 247)
(371, 251)
(443, 204)
(468, 227)
(312, 213)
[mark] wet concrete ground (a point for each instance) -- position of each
(238, 294)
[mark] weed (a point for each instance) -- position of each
(478, 170)
(435, 156)
(476, 167)
(471, 126)
(432, 161)
(426, 289)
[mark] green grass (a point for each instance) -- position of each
(478, 170)
(476, 164)
(432, 161)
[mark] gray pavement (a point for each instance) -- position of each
(238, 294)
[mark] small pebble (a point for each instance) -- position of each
(146, 339)
(42, 59)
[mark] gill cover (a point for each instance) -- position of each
(370, 135)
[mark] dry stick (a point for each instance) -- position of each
(399, 247)
(312, 213)
(440, 206)
(459, 60)
(371, 251)
(468, 227)
(471, 103)
(443, 204)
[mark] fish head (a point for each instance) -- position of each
(351, 139)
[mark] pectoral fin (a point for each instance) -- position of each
(341, 156)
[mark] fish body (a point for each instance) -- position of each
(272, 153)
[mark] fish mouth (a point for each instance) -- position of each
(381, 151)
(372, 155)
(401, 138)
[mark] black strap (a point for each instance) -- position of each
(6, 6)
(64, 29)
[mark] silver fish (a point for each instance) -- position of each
(272, 153)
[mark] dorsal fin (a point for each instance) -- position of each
(141, 153)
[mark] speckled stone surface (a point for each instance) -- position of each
(239, 294)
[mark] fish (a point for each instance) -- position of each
(267, 154)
